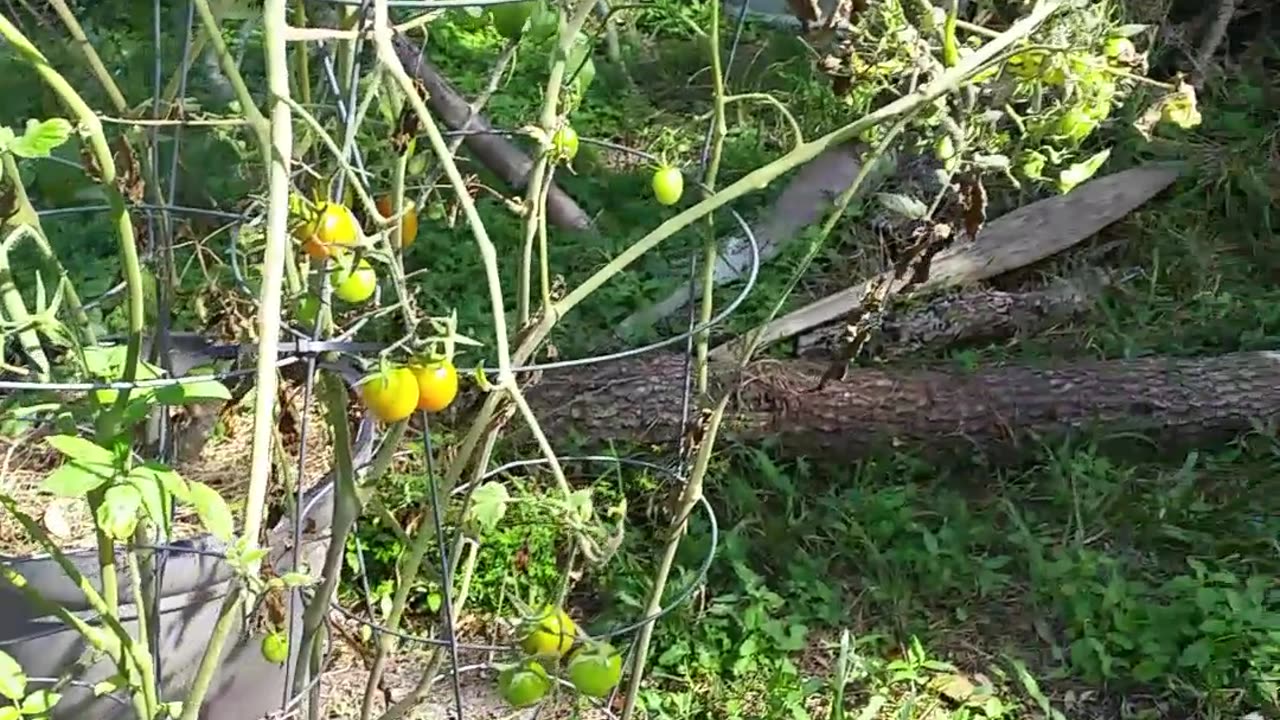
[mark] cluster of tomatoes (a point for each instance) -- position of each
(331, 232)
(594, 668)
(668, 181)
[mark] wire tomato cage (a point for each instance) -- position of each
(306, 347)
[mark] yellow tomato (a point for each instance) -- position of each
(550, 634)
(408, 223)
(391, 395)
(330, 230)
(437, 385)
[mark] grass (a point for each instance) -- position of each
(1075, 585)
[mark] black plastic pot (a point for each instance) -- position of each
(195, 581)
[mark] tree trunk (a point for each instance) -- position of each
(1172, 401)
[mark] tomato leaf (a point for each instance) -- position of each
(117, 516)
(193, 392)
(580, 503)
(166, 477)
(1080, 172)
(488, 505)
(74, 479)
(41, 138)
(40, 703)
(13, 682)
(77, 448)
(903, 205)
(10, 713)
(213, 511)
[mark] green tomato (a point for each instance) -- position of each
(308, 309)
(550, 634)
(275, 648)
(523, 685)
(596, 670)
(509, 18)
(564, 144)
(354, 286)
(668, 185)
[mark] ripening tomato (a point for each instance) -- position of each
(275, 648)
(668, 185)
(408, 222)
(595, 670)
(550, 634)
(392, 395)
(523, 685)
(354, 285)
(437, 385)
(331, 230)
(564, 144)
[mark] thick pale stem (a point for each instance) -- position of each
(688, 500)
(488, 253)
(212, 658)
(719, 129)
(533, 201)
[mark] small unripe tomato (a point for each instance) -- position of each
(275, 648)
(564, 144)
(595, 670)
(331, 231)
(437, 385)
(550, 634)
(408, 222)
(668, 185)
(307, 310)
(354, 285)
(391, 395)
(523, 685)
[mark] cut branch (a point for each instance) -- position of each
(1173, 401)
(969, 317)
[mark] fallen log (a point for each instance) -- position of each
(496, 152)
(1172, 401)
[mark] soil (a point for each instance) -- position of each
(215, 451)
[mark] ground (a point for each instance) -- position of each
(1076, 584)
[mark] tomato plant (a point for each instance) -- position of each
(354, 285)
(330, 230)
(408, 222)
(437, 384)
(595, 669)
(391, 394)
(668, 185)
(550, 634)
(523, 685)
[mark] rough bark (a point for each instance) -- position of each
(496, 152)
(967, 317)
(1172, 401)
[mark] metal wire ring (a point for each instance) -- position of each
(677, 601)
